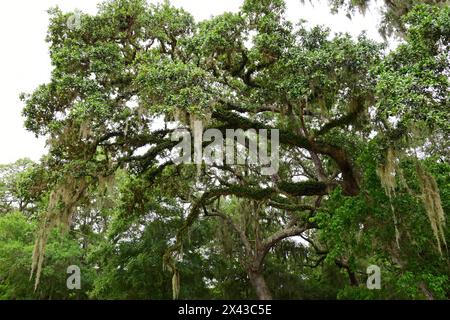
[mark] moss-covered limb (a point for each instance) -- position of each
(291, 230)
(247, 77)
(250, 192)
(305, 188)
(339, 122)
(151, 174)
(108, 136)
(357, 106)
(253, 110)
(337, 153)
(297, 189)
(286, 204)
(148, 158)
(234, 121)
(131, 141)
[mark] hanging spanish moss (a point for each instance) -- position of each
(62, 203)
(196, 125)
(430, 196)
(106, 184)
(433, 206)
(176, 284)
(169, 264)
(85, 130)
(387, 173)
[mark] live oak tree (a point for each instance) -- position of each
(124, 77)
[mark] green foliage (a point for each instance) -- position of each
(16, 246)
(17, 190)
(355, 123)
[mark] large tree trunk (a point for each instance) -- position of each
(260, 286)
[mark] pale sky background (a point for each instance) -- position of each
(25, 63)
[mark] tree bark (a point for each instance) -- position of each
(428, 294)
(351, 275)
(259, 284)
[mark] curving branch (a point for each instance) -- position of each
(342, 159)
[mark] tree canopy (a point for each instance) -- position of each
(363, 174)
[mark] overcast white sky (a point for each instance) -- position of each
(24, 60)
